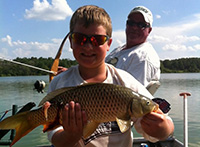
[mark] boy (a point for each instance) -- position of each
(90, 39)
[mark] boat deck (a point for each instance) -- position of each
(170, 142)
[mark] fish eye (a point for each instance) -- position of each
(148, 103)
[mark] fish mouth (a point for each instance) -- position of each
(155, 109)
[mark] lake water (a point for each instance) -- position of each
(19, 91)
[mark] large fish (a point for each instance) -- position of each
(102, 103)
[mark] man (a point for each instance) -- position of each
(137, 56)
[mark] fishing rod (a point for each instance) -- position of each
(27, 65)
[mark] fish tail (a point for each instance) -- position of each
(20, 123)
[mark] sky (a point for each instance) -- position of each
(35, 28)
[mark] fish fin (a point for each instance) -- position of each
(53, 124)
(50, 126)
(124, 125)
(53, 94)
(20, 123)
(45, 127)
(89, 129)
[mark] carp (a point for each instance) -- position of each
(102, 103)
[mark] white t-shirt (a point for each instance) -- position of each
(140, 61)
(107, 134)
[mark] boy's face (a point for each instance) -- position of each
(87, 54)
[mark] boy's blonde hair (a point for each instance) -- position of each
(90, 14)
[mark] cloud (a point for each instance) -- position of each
(176, 40)
(57, 10)
(180, 39)
(7, 39)
(175, 47)
(158, 16)
(184, 38)
(13, 49)
(166, 12)
(197, 46)
(158, 38)
(118, 37)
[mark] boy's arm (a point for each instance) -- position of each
(73, 120)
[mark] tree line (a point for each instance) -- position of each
(183, 65)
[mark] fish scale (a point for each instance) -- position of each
(94, 108)
(100, 104)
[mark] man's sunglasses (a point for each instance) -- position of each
(140, 25)
(95, 40)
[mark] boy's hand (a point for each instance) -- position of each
(157, 125)
(74, 120)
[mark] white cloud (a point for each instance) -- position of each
(118, 37)
(158, 38)
(58, 10)
(166, 12)
(177, 40)
(158, 16)
(197, 46)
(19, 52)
(13, 49)
(175, 47)
(7, 39)
(3, 52)
(184, 38)
(172, 41)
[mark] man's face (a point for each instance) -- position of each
(135, 33)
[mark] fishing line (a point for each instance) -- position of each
(25, 107)
(3, 115)
(10, 109)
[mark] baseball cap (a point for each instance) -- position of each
(148, 17)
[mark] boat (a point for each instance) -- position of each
(140, 141)
(170, 142)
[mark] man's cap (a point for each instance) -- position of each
(148, 17)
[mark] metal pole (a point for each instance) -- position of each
(185, 109)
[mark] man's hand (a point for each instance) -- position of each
(60, 70)
(156, 124)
